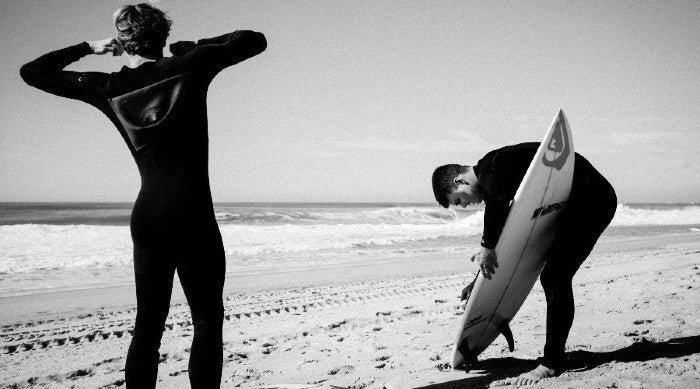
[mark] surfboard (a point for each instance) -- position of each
(527, 234)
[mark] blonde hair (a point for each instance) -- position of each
(141, 28)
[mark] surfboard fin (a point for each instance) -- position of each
(504, 329)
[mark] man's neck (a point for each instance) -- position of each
(135, 61)
(471, 176)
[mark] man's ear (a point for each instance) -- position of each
(460, 181)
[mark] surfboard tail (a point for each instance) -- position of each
(504, 329)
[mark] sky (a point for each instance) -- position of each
(359, 101)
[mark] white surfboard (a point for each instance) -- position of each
(527, 234)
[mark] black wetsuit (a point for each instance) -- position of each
(588, 211)
(160, 110)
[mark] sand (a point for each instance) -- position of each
(388, 324)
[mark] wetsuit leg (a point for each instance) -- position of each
(154, 283)
(202, 277)
(583, 221)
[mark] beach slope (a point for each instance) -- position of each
(637, 325)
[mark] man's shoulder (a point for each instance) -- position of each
(526, 150)
(520, 147)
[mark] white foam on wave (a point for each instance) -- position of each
(28, 247)
(255, 240)
(413, 215)
(632, 216)
(392, 215)
(32, 247)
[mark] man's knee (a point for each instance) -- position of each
(546, 279)
(147, 338)
(211, 315)
(556, 284)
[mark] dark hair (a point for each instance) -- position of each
(443, 182)
(141, 28)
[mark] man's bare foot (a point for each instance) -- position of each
(534, 376)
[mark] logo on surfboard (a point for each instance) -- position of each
(558, 146)
(545, 209)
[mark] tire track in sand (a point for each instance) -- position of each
(106, 325)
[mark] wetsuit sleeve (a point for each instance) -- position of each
(46, 73)
(215, 54)
(500, 173)
(491, 176)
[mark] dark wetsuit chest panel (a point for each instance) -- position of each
(501, 171)
(144, 113)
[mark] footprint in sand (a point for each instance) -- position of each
(336, 325)
(10, 349)
(232, 356)
(345, 369)
(443, 366)
(79, 373)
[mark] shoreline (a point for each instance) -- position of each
(47, 303)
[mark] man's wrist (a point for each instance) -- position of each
(485, 245)
(91, 45)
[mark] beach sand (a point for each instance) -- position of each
(388, 324)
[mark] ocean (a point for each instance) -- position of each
(64, 246)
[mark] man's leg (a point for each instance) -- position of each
(202, 277)
(556, 280)
(154, 284)
(581, 226)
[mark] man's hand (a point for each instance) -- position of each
(182, 47)
(487, 260)
(104, 46)
(464, 298)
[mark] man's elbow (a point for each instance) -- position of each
(30, 74)
(258, 42)
(27, 73)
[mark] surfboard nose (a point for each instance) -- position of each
(462, 357)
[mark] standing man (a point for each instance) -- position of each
(589, 210)
(158, 105)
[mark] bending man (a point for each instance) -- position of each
(589, 210)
